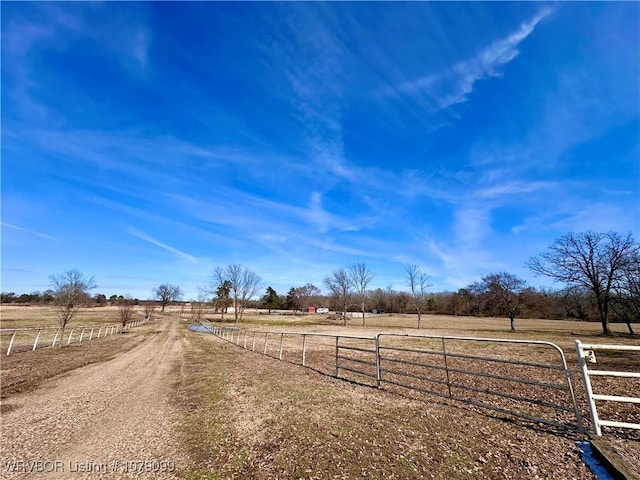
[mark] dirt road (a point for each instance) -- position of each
(113, 419)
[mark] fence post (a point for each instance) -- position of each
(56, 338)
(81, 335)
(91, 334)
(378, 380)
(265, 342)
(11, 342)
(281, 338)
(446, 366)
(69, 339)
(587, 388)
(254, 342)
(245, 340)
(304, 350)
(35, 342)
(99, 331)
(337, 340)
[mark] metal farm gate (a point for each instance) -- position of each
(522, 378)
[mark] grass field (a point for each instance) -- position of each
(41, 317)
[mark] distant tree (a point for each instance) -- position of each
(222, 298)
(125, 309)
(361, 276)
(308, 295)
(271, 299)
(149, 308)
(505, 292)
(244, 285)
(48, 296)
(340, 285)
(577, 302)
(292, 301)
(417, 280)
(198, 308)
(432, 303)
(7, 297)
(167, 293)
(594, 261)
(478, 297)
(378, 300)
(25, 298)
(70, 290)
(100, 299)
(626, 297)
(402, 301)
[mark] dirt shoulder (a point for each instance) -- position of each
(113, 419)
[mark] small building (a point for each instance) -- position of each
(311, 309)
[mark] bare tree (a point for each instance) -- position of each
(70, 290)
(626, 300)
(505, 291)
(307, 295)
(340, 285)
(300, 298)
(125, 309)
(595, 261)
(167, 293)
(244, 284)
(417, 280)
(577, 302)
(361, 276)
(198, 308)
(149, 308)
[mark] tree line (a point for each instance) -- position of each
(599, 273)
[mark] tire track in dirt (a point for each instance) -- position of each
(94, 421)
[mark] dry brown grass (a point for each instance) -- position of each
(45, 316)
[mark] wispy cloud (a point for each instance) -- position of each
(453, 86)
(163, 246)
(512, 188)
(32, 232)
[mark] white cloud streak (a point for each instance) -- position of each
(163, 246)
(32, 232)
(453, 86)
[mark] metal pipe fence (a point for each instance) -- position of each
(14, 340)
(624, 356)
(522, 378)
(349, 358)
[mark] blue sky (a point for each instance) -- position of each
(151, 142)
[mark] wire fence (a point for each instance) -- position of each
(16, 340)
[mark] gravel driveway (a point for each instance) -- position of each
(113, 419)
